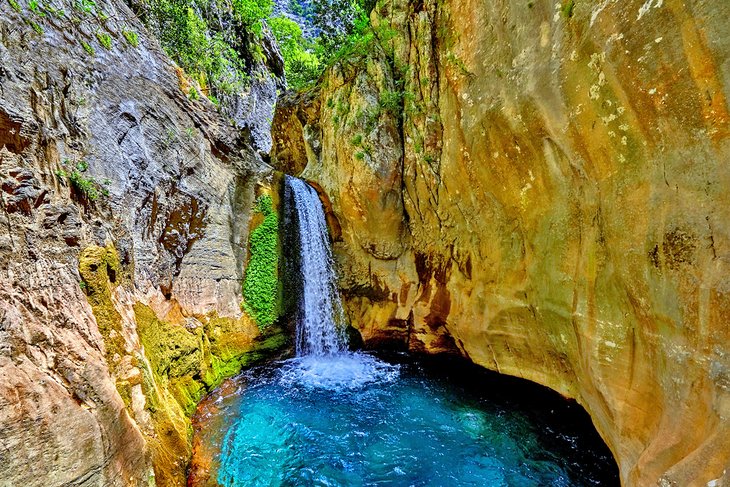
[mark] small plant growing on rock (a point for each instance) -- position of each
(35, 8)
(56, 12)
(36, 27)
(132, 37)
(85, 6)
(15, 5)
(105, 40)
(87, 47)
(392, 102)
(87, 187)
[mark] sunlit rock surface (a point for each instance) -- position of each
(553, 204)
(116, 314)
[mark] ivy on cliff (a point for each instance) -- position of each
(261, 284)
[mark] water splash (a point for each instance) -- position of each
(320, 316)
(341, 372)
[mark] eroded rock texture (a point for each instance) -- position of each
(118, 311)
(543, 188)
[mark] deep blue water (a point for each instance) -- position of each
(355, 421)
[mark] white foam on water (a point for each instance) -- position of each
(344, 371)
(323, 361)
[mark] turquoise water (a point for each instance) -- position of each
(353, 420)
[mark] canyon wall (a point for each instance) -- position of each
(124, 222)
(542, 187)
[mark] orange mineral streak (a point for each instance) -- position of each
(704, 72)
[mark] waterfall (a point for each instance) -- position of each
(319, 313)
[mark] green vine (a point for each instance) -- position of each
(260, 287)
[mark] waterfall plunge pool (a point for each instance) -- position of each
(330, 417)
(355, 420)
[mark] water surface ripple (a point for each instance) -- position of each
(354, 420)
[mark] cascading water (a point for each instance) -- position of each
(334, 417)
(320, 317)
(323, 360)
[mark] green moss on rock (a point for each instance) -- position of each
(172, 350)
(182, 366)
(100, 271)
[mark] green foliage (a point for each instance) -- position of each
(87, 47)
(354, 42)
(15, 5)
(337, 20)
(460, 64)
(356, 140)
(296, 8)
(211, 40)
(56, 12)
(391, 102)
(301, 64)
(87, 187)
(132, 37)
(105, 40)
(567, 8)
(261, 285)
(36, 27)
(35, 8)
(251, 12)
(193, 94)
(344, 31)
(85, 6)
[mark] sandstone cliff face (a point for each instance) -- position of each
(549, 199)
(118, 311)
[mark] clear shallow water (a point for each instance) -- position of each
(354, 420)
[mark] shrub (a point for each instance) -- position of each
(209, 39)
(301, 64)
(87, 187)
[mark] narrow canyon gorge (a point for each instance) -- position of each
(541, 188)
